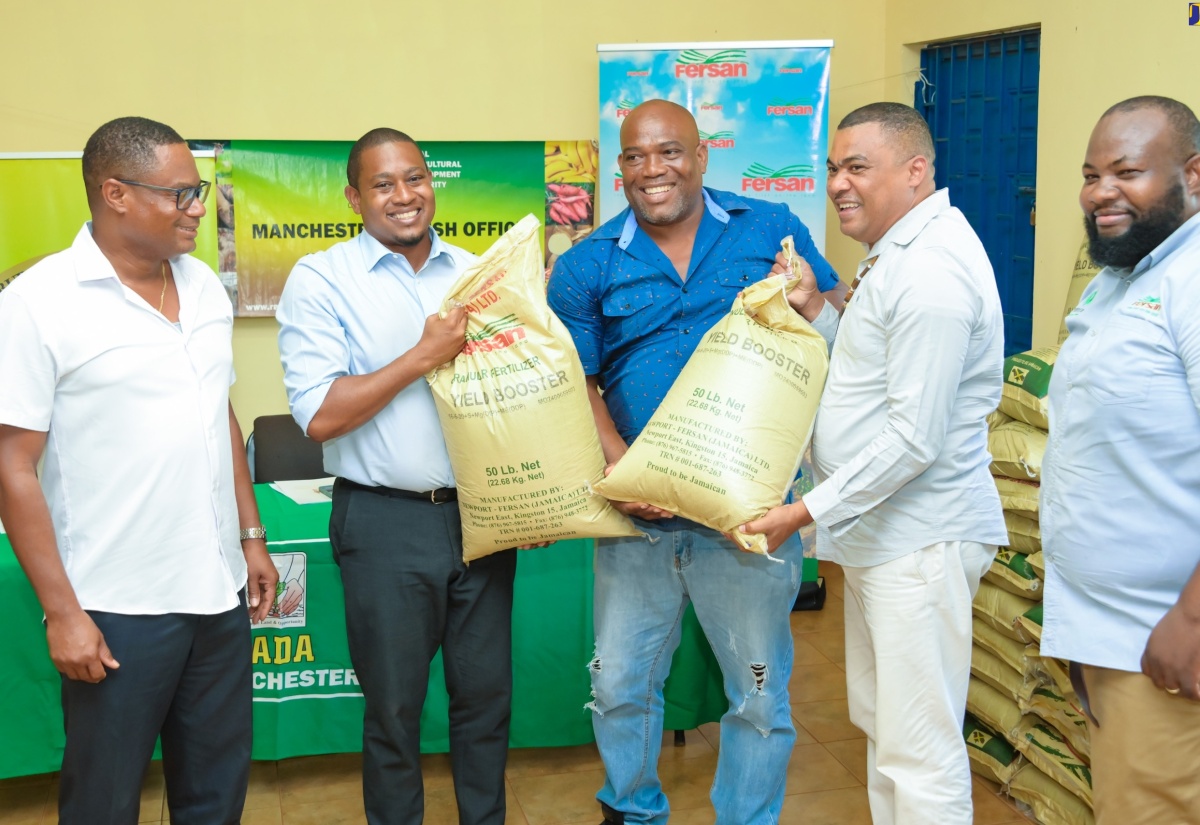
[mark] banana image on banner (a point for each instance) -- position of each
(514, 409)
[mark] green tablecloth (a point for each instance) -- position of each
(305, 698)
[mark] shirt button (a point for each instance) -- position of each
(687, 331)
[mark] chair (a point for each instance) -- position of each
(280, 451)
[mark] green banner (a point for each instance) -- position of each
(306, 697)
(289, 200)
(44, 206)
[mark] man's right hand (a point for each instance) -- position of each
(443, 338)
(77, 648)
(640, 509)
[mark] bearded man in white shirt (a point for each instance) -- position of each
(117, 361)
(904, 500)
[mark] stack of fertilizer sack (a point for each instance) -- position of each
(1025, 728)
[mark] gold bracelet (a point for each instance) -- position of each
(259, 532)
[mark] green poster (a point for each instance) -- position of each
(44, 205)
(289, 200)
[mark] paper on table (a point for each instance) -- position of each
(305, 491)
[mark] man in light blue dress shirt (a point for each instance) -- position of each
(359, 330)
(1120, 500)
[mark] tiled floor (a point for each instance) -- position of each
(557, 786)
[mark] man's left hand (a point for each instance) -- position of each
(804, 295)
(779, 523)
(261, 578)
(1172, 656)
(533, 545)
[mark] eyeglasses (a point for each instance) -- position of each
(183, 196)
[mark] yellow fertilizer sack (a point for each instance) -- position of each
(998, 674)
(1029, 624)
(1024, 534)
(1038, 562)
(1011, 571)
(993, 708)
(1017, 450)
(1018, 495)
(1026, 384)
(1000, 609)
(514, 408)
(725, 444)
(1052, 804)
(1081, 276)
(1045, 747)
(1054, 672)
(995, 418)
(1005, 648)
(1064, 716)
(990, 753)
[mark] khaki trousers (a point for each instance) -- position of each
(1145, 751)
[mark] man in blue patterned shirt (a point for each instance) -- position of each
(637, 297)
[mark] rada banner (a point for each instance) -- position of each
(762, 109)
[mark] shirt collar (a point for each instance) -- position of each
(908, 227)
(1189, 229)
(719, 204)
(95, 266)
(373, 251)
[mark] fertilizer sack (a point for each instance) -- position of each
(514, 408)
(1083, 273)
(725, 444)
(1026, 384)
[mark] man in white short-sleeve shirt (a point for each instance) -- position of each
(142, 538)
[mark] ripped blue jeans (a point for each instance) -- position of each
(743, 602)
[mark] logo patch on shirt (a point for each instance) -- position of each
(1091, 297)
(1151, 304)
(1017, 376)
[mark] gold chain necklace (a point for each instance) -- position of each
(163, 297)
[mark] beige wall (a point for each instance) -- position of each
(526, 70)
(309, 70)
(1094, 53)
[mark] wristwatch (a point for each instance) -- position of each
(259, 532)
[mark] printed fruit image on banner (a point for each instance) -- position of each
(571, 161)
(514, 409)
(571, 169)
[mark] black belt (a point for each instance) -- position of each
(439, 496)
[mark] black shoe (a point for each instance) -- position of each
(611, 817)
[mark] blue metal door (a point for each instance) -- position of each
(980, 98)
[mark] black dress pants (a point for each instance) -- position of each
(408, 593)
(184, 676)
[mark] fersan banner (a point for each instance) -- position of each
(761, 107)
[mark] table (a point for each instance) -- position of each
(306, 700)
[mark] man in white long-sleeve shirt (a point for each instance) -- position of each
(904, 501)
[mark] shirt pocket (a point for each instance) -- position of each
(1125, 359)
(627, 300)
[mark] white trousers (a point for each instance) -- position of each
(908, 659)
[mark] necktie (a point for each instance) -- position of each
(867, 264)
